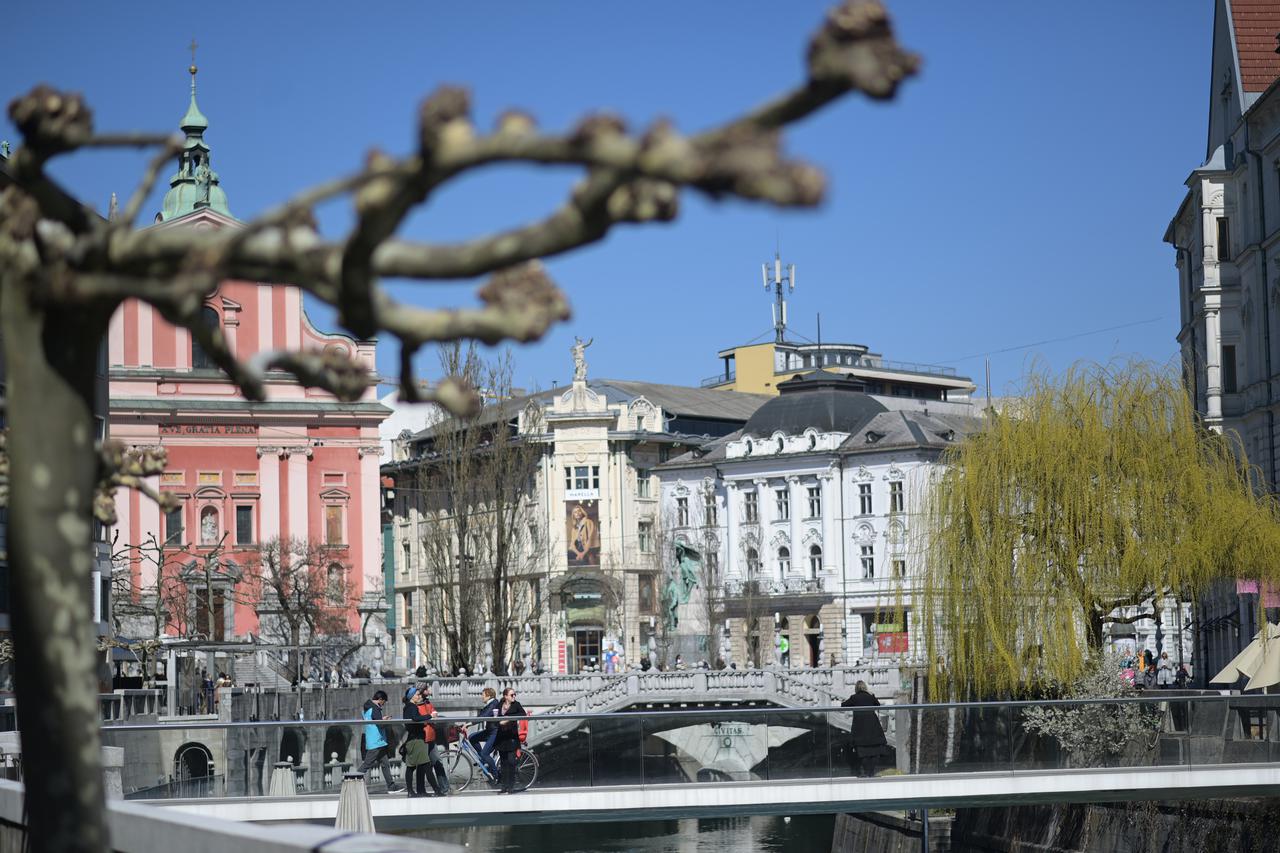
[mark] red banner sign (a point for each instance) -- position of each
(892, 643)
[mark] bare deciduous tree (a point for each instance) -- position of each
(482, 531)
(64, 271)
(301, 593)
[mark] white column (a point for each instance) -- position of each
(830, 496)
(764, 512)
(732, 509)
(269, 485)
(299, 499)
(292, 318)
(146, 333)
(1213, 363)
(265, 318)
(149, 522)
(798, 506)
(115, 337)
(370, 524)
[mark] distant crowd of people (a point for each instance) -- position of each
(1145, 671)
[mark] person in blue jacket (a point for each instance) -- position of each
(376, 750)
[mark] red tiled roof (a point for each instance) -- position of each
(1256, 23)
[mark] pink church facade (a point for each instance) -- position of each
(300, 466)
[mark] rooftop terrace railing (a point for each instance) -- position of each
(709, 744)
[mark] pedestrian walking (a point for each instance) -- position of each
(437, 736)
(416, 754)
(1164, 672)
(867, 740)
(508, 742)
(376, 750)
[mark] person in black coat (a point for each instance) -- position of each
(508, 740)
(867, 740)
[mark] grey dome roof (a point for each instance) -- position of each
(825, 404)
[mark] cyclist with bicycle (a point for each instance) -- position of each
(486, 735)
(508, 740)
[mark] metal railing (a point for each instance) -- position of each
(658, 747)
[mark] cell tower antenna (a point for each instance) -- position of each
(777, 279)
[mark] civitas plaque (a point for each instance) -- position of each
(208, 429)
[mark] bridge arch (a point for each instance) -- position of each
(193, 769)
(337, 740)
(293, 745)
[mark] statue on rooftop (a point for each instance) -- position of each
(579, 350)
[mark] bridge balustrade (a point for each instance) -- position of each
(815, 743)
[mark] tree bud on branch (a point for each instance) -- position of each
(855, 49)
(51, 121)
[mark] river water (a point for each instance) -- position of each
(799, 834)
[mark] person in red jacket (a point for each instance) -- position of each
(436, 775)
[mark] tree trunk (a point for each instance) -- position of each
(51, 358)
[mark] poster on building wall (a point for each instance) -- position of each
(582, 532)
(892, 643)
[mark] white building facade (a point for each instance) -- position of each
(807, 514)
(1226, 241)
(595, 502)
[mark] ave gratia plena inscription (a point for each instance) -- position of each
(208, 429)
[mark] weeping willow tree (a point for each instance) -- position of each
(1092, 492)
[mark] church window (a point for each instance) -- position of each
(333, 525)
(244, 525)
(201, 360)
(1224, 239)
(1228, 369)
(173, 527)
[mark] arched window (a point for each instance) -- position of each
(753, 563)
(200, 360)
(209, 528)
(781, 445)
(784, 561)
(815, 560)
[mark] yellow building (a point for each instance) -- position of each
(758, 368)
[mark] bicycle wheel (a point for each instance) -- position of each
(526, 770)
(459, 769)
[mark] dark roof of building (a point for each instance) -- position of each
(1256, 23)
(887, 430)
(826, 403)
(674, 400)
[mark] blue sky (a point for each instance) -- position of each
(1015, 192)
